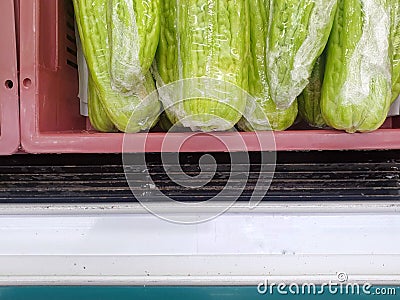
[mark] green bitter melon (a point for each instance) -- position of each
(356, 92)
(129, 113)
(97, 114)
(134, 30)
(297, 35)
(395, 6)
(205, 44)
(261, 112)
(310, 99)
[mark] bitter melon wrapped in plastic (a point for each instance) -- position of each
(97, 114)
(129, 113)
(356, 93)
(298, 33)
(310, 99)
(261, 112)
(207, 41)
(134, 30)
(395, 6)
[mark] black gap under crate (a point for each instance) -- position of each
(299, 176)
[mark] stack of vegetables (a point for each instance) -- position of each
(251, 64)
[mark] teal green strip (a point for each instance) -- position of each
(173, 293)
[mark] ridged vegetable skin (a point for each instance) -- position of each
(395, 6)
(134, 30)
(129, 113)
(310, 99)
(356, 92)
(97, 114)
(204, 40)
(261, 111)
(298, 33)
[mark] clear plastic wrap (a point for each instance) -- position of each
(205, 45)
(134, 31)
(257, 115)
(356, 93)
(83, 74)
(129, 112)
(298, 32)
(395, 108)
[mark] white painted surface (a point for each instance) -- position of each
(236, 248)
(229, 234)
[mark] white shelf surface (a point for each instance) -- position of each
(291, 244)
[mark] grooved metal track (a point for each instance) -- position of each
(299, 176)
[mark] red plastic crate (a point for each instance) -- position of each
(50, 119)
(9, 115)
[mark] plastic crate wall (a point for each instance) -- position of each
(9, 107)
